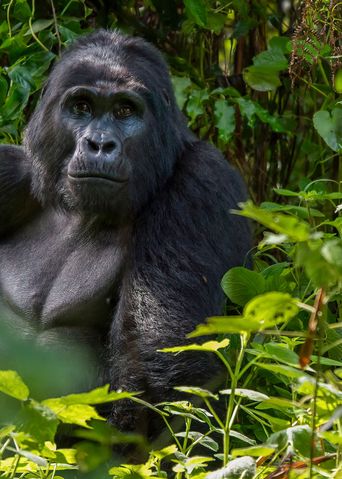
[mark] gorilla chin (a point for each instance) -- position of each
(114, 222)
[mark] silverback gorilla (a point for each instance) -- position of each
(114, 220)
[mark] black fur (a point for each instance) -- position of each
(124, 268)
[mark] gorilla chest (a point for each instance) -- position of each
(51, 277)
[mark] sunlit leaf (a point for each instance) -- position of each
(12, 385)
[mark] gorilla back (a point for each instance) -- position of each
(114, 220)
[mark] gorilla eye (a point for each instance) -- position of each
(81, 108)
(124, 111)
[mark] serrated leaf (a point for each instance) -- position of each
(77, 414)
(39, 421)
(99, 395)
(12, 385)
(225, 119)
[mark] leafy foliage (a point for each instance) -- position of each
(260, 80)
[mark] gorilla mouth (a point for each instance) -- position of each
(90, 175)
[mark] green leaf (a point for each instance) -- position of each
(39, 421)
(209, 346)
(292, 440)
(254, 451)
(270, 309)
(241, 285)
(12, 385)
(197, 10)
(77, 414)
(281, 353)
(247, 393)
(261, 77)
(329, 126)
(287, 371)
(196, 391)
(181, 85)
(321, 261)
(225, 119)
(99, 395)
(195, 104)
(273, 58)
(291, 227)
(3, 89)
(263, 312)
(38, 26)
(338, 81)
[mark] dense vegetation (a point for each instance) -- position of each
(261, 80)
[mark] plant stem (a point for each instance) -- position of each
(228, 423)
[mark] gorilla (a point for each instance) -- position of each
(115, 227)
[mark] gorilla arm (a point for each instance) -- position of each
(16, 201)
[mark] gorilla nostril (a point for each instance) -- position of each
(108, 147)
(92, 145)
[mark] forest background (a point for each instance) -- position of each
(261, 80)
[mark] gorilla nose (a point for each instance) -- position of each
(99, 145)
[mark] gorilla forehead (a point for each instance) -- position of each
(109, 56)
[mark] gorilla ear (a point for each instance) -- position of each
(166, 97)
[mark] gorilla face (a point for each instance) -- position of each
(107, 132)
(103, 123)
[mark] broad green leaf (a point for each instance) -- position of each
(329, 126)
(263, 312)
(282, 44)
(225, 119)
(197, 10)
(261, 77)
(39, 421)
(321, 261)
(273, 58)
(166, 451)
(292, 440)
(294, 228)
(270, 309)
(333, 437)
(281, 353)
(247, 393)
(241, 285)
(254, 451)
(180, 85)
(280, 404)
(12, 385)
(287, 371)
(195, 103)
(77, 414)
(209, 346)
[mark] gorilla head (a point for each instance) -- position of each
(107, 131)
